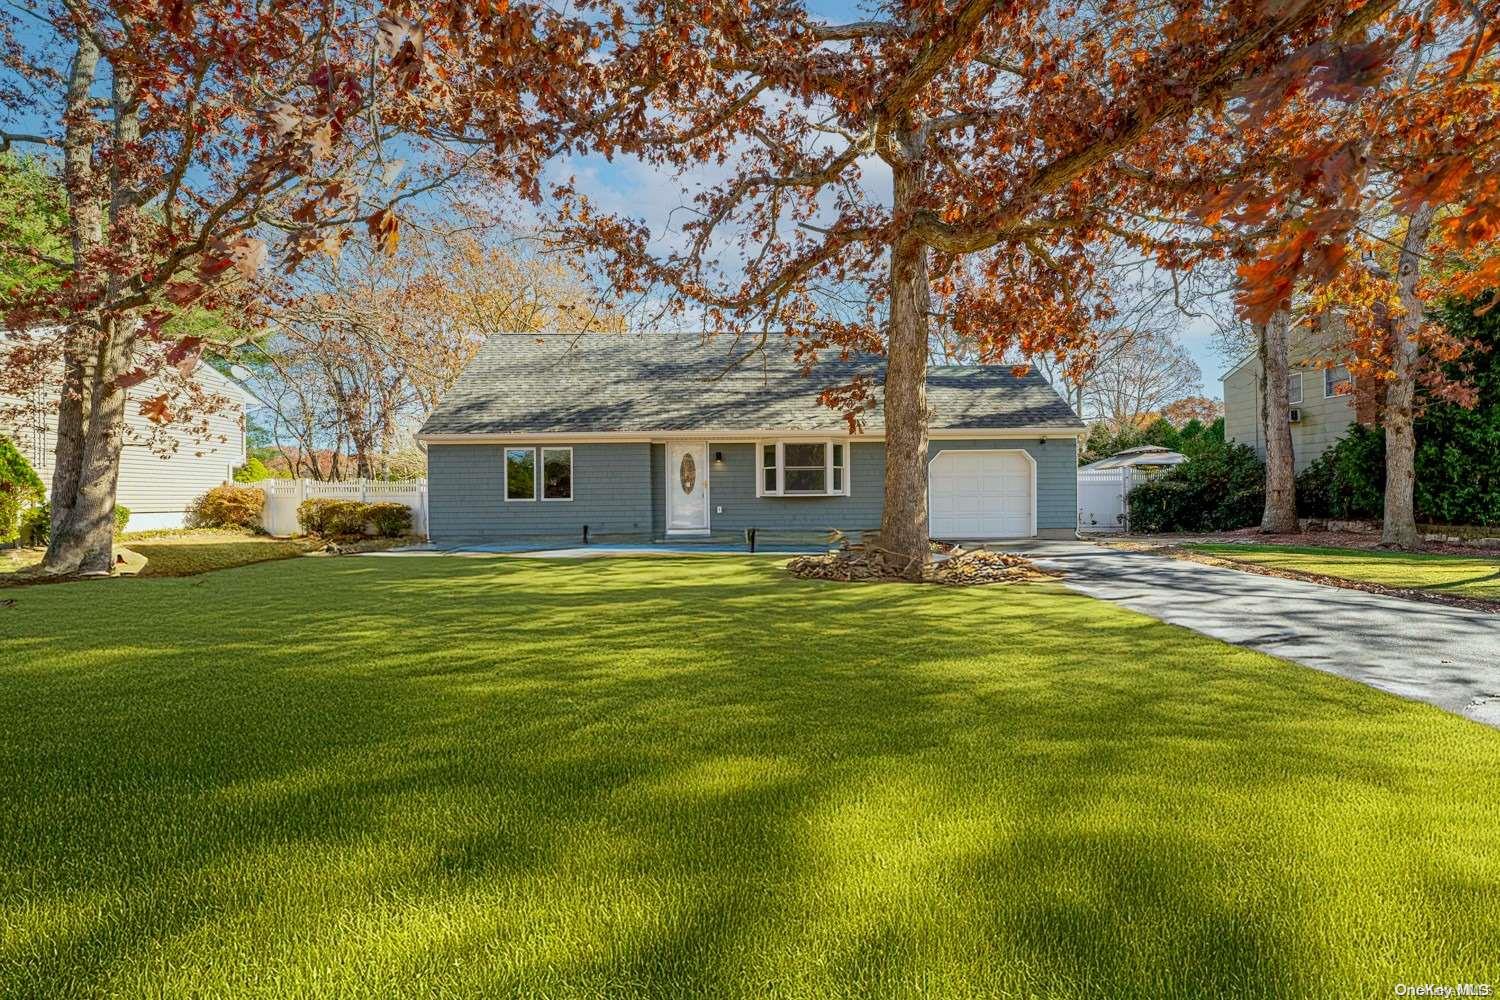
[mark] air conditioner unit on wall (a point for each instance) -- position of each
(1294, 415)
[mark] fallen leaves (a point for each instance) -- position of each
(961, 568)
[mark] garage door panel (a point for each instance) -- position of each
(980, 494)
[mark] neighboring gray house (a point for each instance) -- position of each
(673, 435)
(1321, 411)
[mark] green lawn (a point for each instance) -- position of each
(429, 777)
(186, 556)
(1467, 576)
(176, 552)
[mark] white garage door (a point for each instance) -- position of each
(980, 494)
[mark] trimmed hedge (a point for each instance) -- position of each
(390, 520)
(334, 518)
(1219, 488)
(1347, 481)
(228, 507)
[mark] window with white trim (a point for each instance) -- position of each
(1294, 388)
(520, 473)
(1335, 377)
(803, 469)
(557, 473)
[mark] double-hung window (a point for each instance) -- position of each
(803, 469)
(522, 479)
(1294, 388)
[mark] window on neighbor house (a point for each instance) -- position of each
(804, 469)
(1294, 388)
(1335, 377)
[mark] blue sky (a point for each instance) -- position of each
(626, 186)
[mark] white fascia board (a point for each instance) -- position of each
(744, 436)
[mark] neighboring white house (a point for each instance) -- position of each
(1148, 458)
(156, 486)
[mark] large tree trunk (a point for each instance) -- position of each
(82, 539)
(85, 233)
(1280, 513)
(903, 524)
(1400, 527)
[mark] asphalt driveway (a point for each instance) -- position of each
(1445, 656)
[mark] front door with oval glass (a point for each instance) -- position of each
(687, 487)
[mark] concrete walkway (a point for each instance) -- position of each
(596, 550)
(1445, 656)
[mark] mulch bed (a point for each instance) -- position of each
(1408, 593)
(954, 568)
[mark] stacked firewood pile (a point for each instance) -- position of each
(962, 567)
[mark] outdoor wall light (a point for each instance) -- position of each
(718, 458)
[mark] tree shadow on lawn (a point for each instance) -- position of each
(394, 777)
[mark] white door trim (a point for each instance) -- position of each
(1030, 461)
(699, 450)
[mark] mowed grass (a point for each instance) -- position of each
(443, 777)
(177, 552)
(1462, 575)
(190, 555)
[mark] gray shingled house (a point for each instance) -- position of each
(675, 435)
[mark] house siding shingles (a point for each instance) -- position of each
(620, 489)
(658, 490)
(1325, 419)
(157, 483)
(466, 494)
(732, 487)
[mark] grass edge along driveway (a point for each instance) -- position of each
(1458, 576)
(698, 778)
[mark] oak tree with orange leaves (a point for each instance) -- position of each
(201, 142)
(1015, 137)
(1372, 197)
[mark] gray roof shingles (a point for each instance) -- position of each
(588, 383)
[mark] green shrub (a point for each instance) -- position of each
(1220, 488)
(390, 520)
(1458, 450)
(331, 517)
(253, 471)
(1161, 433)
(1347, 481)
(20, 489)
(36, 523)
(228, 507)
(334, 518)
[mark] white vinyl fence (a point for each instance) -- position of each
(1101, 499)
(283, 496)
